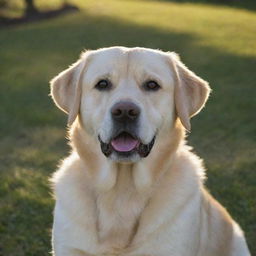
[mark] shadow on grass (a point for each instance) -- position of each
(34, 54)
(37, 16)
(240, 4)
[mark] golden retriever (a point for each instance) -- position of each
(131, 186)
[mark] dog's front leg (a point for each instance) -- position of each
(69, 252)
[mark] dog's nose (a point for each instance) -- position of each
(125, 110)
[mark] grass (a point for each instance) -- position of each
(216, 41)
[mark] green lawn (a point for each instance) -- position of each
(218, 42)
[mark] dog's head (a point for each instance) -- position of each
(127, 97)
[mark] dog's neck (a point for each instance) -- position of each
(127, 188)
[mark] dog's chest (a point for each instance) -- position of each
(118, 212)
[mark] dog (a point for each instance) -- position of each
(131, 186)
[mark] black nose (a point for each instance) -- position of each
(125, 110)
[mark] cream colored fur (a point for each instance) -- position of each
(156, 206)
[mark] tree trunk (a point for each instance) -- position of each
(30, 8)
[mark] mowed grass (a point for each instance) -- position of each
(217, 42)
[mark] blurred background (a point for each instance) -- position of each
(38, 39)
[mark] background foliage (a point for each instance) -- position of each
(216, 40)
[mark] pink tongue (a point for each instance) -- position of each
(124, 143)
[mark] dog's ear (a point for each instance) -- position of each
(66, 89)
(190, 93)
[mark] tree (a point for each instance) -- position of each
(30, 8)
(3, 3)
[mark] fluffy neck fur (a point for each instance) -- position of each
(130, 189)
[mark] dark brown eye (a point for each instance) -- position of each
(103, 85)
(151, 86)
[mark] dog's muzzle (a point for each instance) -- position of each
(124, 141)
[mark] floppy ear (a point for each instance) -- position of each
(66, 89)
(191, 92)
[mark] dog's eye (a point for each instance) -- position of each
(151, 86)
(103, 85)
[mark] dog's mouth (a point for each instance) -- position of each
(126, 144)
